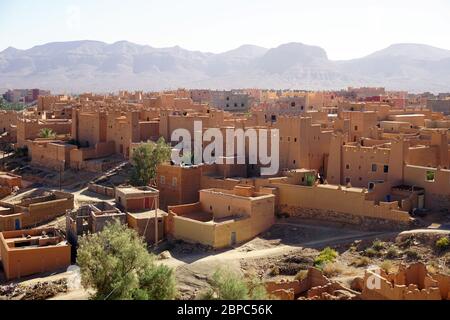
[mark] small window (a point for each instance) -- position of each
(356, 128)
(347, 180)
(210, 208)
(430, 176)
(347, 166)
(235, 105)
(162, 179)
(386, 169)
(229, 208)
(295, 139)
(228, 105)
(293, 104)
(374, 167)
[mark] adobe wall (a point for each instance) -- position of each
(28, 261)
(181, 184)
(8, 119)
(222, 205)
(101, 190)
(357, 165)
(313, 287)
(437, 192)
(329, 203)
(148, 130)
(423, 156)
(41, 212)
(100, 221)
(8, 219)
(30, 129)
(412, 283)
(244, 229)
(193, 231)
(259, 218)
(212, 182)
(51, 155)
(146, 227)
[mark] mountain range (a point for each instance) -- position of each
(96, 66)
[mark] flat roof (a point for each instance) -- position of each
(147, 214)
(131, 190)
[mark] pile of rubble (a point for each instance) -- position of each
(38, 291)
(315, 286)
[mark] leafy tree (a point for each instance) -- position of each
(146, 159)
(157, 283)
(116, 264)
(226, 285)
(47, 133)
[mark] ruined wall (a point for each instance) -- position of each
(412, 283)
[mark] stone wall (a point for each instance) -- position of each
(365, 223)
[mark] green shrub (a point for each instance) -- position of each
(325, 256)
(392, 253)
(370, 252)
(378, 245)
(443, 244)
(116, 264)
(156, 283)
(412, 254)
(226, 285)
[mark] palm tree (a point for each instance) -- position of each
(47, 133)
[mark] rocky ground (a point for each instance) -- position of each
(38, 291)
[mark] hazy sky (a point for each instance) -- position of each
(344, 28)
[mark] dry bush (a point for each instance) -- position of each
(387, 266)
(332, 269)
(361, 262)
(392, 253)
(301, 275)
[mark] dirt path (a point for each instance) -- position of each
(193, 270)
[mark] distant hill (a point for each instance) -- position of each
(97, 66)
